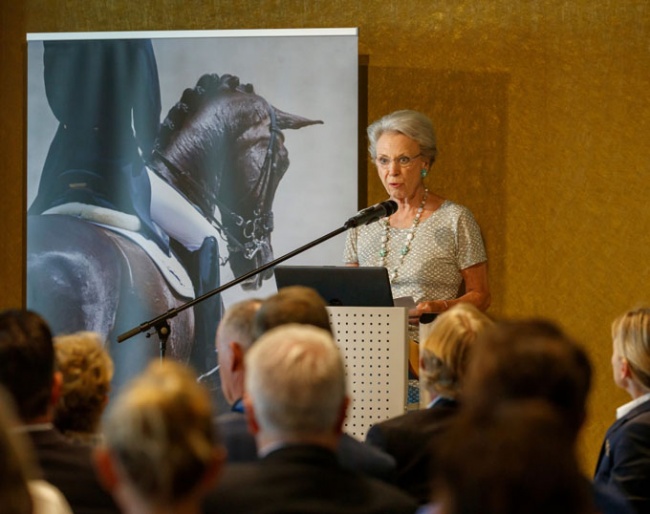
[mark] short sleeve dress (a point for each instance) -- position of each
(443, 244)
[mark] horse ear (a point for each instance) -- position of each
(292, 121)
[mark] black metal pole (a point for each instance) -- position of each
(160, 322)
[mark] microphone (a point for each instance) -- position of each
(372, 213)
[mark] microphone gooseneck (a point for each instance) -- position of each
(372, 213)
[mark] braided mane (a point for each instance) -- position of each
(196, 135)
(193, 99)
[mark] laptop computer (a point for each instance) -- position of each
(344, 286)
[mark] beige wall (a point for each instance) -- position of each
(543, 118)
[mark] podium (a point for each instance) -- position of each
(374, 344)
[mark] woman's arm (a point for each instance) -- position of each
(477, 292)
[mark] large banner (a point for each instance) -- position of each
(162, 165)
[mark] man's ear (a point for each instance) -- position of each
(57, 387)
(251, 419)
(105, 468)
(214, 469)
(626, 369)
(237, 356)
(343, 409)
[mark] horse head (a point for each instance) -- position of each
(222, 146)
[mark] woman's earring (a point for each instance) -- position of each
(423, 172)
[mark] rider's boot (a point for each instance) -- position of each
(203, 267)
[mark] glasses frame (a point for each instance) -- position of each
(396, 160)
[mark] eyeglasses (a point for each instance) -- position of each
(403, 160)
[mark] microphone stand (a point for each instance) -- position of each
(161, 323)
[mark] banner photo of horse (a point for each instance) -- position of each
(160, 167)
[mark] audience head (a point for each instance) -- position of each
(295, 385)
(533, 359)
(234, 338)
(87, 370)
(412, 124)
(14, 462)
(27, 363)
(445, 353)
(160, 446)
(518, 457)
(295, 304)
(631, 349)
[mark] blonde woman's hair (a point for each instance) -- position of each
(446, 351)
(161, 434)
(631, 336)
(87, 371)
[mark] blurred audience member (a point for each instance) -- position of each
(241, 325)
(295, 404)
(20, 492)
(518, 457)
(295, 304)
(161, 453)
(443, 361)
(27, 371)
(536, 360)
(624, 459)
(87, 370)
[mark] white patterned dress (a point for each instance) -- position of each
(443, 244)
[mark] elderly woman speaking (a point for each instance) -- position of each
(432, 247)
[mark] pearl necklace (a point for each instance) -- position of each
(383, 251)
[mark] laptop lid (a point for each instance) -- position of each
(344, 286)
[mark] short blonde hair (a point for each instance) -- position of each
(87, 370)
(446, 351)
(161, 433)
(631, 337)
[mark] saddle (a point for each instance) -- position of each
(128, 226)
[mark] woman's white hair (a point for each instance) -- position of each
(412, 124)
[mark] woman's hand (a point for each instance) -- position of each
(433, 306)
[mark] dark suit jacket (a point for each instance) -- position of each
(408, 438)
(303, 479)
(69, 467)
(353, 454)
(624, 459)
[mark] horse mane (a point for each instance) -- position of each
(193, 136)
(193, 99)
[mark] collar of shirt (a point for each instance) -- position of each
(238, 406)
(624, 409)
(436, 400)
(36, 427)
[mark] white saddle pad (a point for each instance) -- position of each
(127, 225)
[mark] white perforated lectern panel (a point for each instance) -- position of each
(373, 343)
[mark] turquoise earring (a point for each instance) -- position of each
(423, 172)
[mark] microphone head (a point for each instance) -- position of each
(390, 206)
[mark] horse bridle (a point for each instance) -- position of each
(256, 228)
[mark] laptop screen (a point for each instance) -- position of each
(344, 286)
